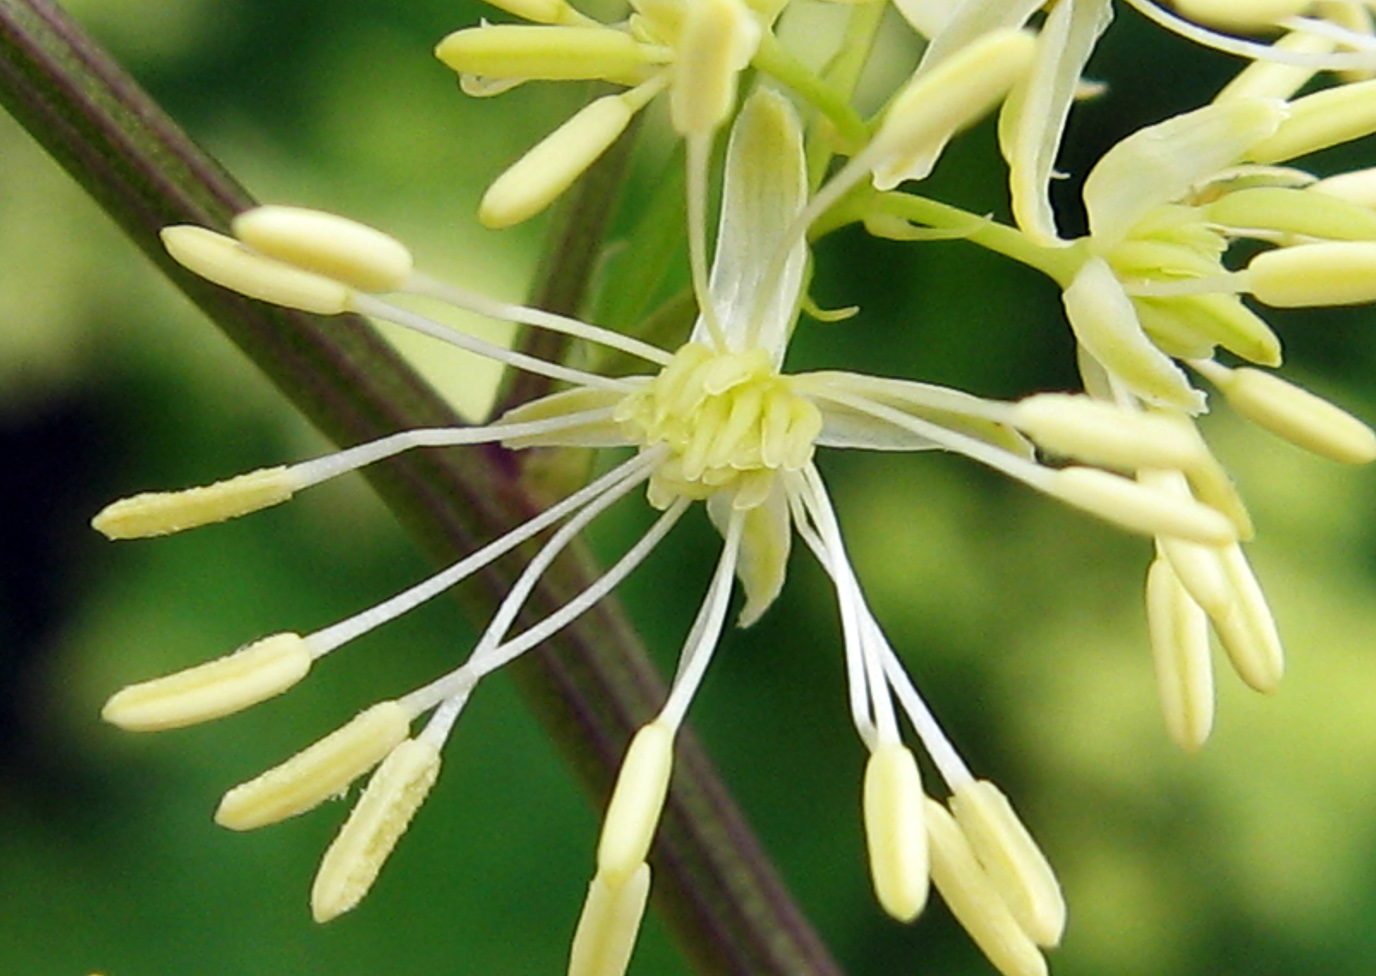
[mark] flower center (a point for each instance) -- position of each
(730, 420)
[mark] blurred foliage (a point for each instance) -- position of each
(1021, 621)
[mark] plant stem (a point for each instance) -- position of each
(592, 684)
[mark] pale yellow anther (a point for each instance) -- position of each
(377, 821)
(1101, 433)
(607, 928)
(535, 180)
(1200, 570)
(1325, 118)
(1358, 186)
(164, 512)
(895, 831)
(717, 40)
(540, 11)
(974, 899)
(1180, 648)
(1248, 630)
(1140, 508)
(1336, 273)
(636, 803)
(252, 674)
(318, 772)
(1295, 414)
(955, 93)
(1274, 79)
(546, 53)
(229, 264)
(1012, 859)
(326, 244)
(1294, 211)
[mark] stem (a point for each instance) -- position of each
(592, 684)
(1058, 263)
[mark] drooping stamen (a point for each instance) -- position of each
(706, 631)
(326, 640)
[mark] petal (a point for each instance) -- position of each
(1160, 163)
(1105, 323)
(1039, 115)
(765, 189)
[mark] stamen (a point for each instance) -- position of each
(895, 832)
(381, 816)
(607, 928)
(975, 900)
(1336, 61)
(323, 243)
(1293, 413)
(254, 673)
(706, 632)
(228, 263)
(164, 512)
(475, 302)
(318, 772)
(636, 803)
(1014, 862)
(368, 305)
(326, 640)
(1180, 648)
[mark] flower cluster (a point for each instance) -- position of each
(1151, 294)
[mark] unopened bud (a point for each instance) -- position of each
(636, 803)
(548, 169)
(1295, 414)
(164, 512)
(1180, 648)
(607, 929)
(254, 673)
(895, 832)
(974, 899)
(1140, 508)
(1337, 273)
(318, 772)
(545, 53)
(1101, 433)
(229, 264)
(1012, 859)
(378, 820)
(338, 248)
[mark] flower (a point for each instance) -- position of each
(718, 421)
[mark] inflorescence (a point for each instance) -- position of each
(1152, 294)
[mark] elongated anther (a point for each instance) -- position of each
(382, 814)
(318, 772)
(1141, 509)
(1012, 859)
(252, 674)
(324, 243)
(607, 928)
(636, 803)
(229, 264)
(164, 512)
(895, 831)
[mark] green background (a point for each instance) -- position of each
(1021, 621)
